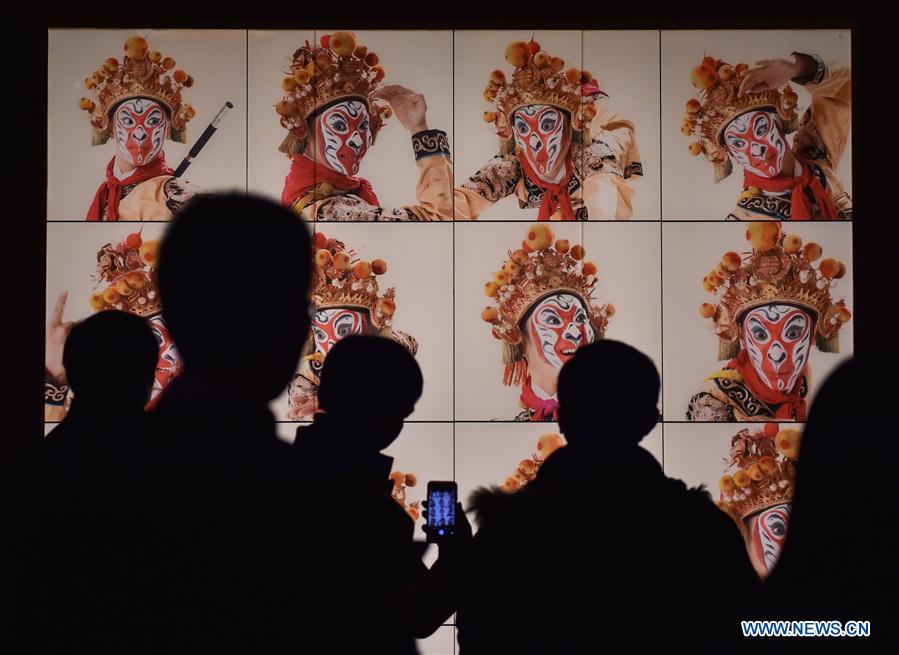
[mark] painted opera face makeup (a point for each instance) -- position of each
(557, 326)
(757, 142)
(766, 532)
(140, 125)
(540, 133)
(169, 363)
(331, 325)
(778, 339)
(344, 136)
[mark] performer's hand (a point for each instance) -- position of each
(410, 107)
(769, 74)
(57, 333)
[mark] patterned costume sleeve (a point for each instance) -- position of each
(705, 407)
(494, 181)
(435, 180)
(177, 193)
(56, 399)
(827, 122)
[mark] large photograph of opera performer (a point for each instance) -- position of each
(150, 117)
(757, 125)
(390, 281)
(749, 469)
(101, 268)
(528, 296)
(761, 314)
(353, 126)
(540, 135)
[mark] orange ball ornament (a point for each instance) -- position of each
(763, 235)
(378, 266)
(539, 237)
(362, 269)
(812, 251)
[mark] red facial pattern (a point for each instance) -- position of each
(344, 136)
(778, 339)
(539, 131)
(169, 363)
(331, 325)
(559, 325)
(140, 125)
(757, 142)
(766, 536)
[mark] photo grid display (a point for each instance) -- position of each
(650, 146)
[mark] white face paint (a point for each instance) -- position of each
(140, 125)
(778, 340)
(757, 142)
(558, 326)
(766, 536)
(539, 133)
(344, 136)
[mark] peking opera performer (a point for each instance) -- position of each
(551, 156)
(773, 307)
(744, 116)
(332, 115)
(757, 489)
(543, 312)
(347, 301)
(137, 103)
(126, 278)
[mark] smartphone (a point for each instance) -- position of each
(441, 510)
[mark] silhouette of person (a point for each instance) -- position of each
(601, 547)
(82, 536)
(369, 570)
(234, 275)
(838, 560)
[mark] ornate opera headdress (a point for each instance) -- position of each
(541, 267)
(527, 469)
(779, 270)
(719, 84)
(401, 481)
(344, 280)
(761, 470)
(538, 79)
(126, 277)
(320, 75)
(142, 74)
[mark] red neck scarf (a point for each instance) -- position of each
(554, 195)
(110, 192)
(544, 409)
(791, 405)
(800, 209)
(305, 174)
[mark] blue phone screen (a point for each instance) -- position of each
(442, 510)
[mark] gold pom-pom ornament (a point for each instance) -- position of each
(527, 469)
(541, 267)
(718, 84)
(401, 482)
(337, 68)
(141, 74)
(778, 270)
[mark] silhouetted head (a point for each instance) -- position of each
(110, 360)
(608, 393)
(371, 382)
(234, 273)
